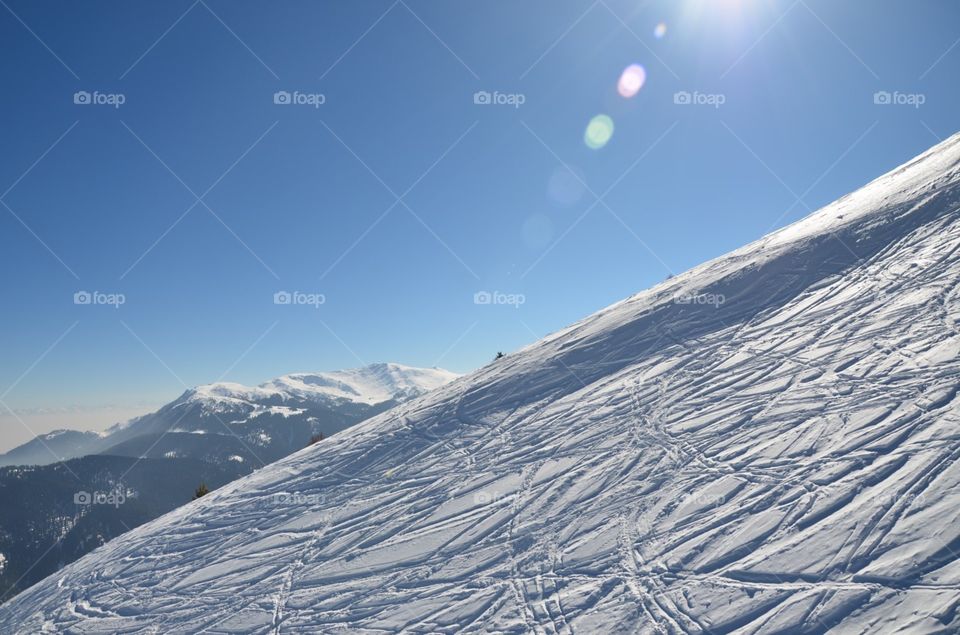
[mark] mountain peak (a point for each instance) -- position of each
(370, 384)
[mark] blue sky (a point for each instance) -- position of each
(398, 198)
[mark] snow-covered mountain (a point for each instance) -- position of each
(369, 385)
(257, 424)
(767, 443)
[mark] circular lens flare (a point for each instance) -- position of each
(599, 131)
(660, 30)
(565, 187)
(632, 80)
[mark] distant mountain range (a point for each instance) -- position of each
(44, 449)
(67, 492)
(232, 422)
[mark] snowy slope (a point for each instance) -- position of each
(781, 461)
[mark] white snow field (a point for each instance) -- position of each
(768, 443)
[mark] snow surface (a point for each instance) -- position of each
(784, 461)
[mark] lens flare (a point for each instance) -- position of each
(599, 131)
(565, 187)
(660, 30)
(631, 81)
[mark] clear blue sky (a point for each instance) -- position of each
(298, 198)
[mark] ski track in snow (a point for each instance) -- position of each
(785, 462)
